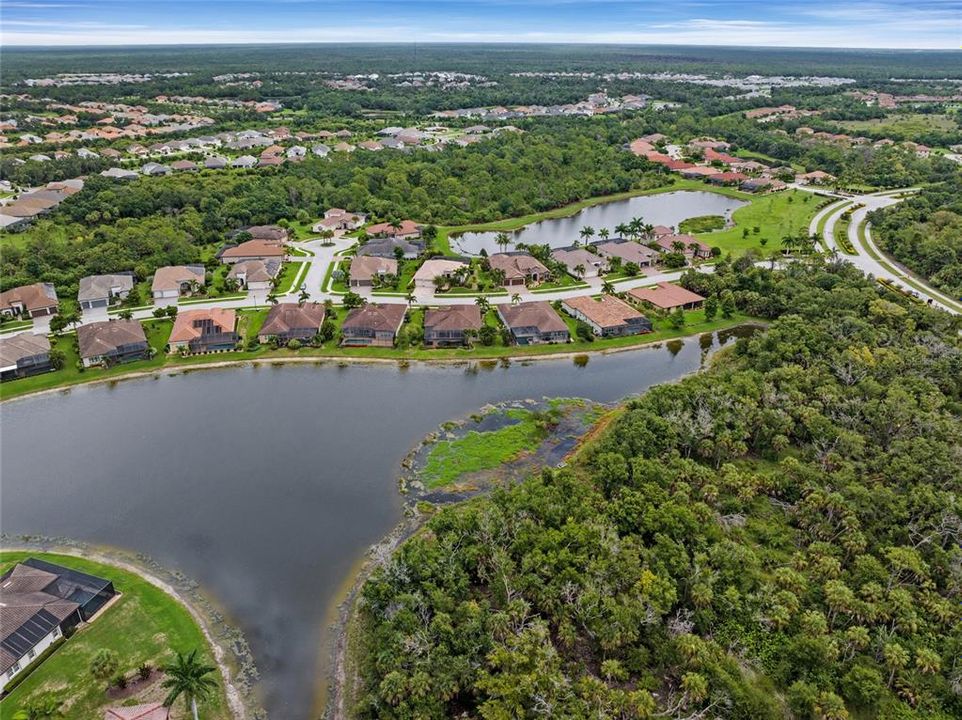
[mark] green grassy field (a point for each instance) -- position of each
(784, 213)
(287, 277)
(143, 625)
(908, 125)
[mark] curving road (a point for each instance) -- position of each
(868, 258)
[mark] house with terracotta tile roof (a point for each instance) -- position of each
(262, 250)
(434, 268)
(667, 296)
(628, 251)
(519, 268)
(406, 230)
(254, 274)
(607, 315)
(176, 280)
(30, 301)
(688, 245)
(292, 321)
(580, 263)
(451, 325)
(204, 330)
(372, 325)
(143, 711)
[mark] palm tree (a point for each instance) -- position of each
(604, 233)
(623, 229)
(272, 298)
(579, 270)
(483, 304)
(516, 299)
(410, 297)
(647, 231)
(304, 296)
(608, 288)
(189, 677)
(587, 232)
(502, 239)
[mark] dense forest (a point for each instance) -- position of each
(924, 233)
(776, 537)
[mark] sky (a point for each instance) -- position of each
(921, 24)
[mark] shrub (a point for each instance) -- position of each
(144, 671)
(104, 664)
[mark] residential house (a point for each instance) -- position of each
(244, 162)
(388, 247)
(111, 342)
(23, 355)
(119, 174)
(404, 230)
(629, 252)
(426, 275)
(262, 250)
(372, 325)
(727, 178)
(39, 603)
(321, 150)
(205, 330)
(371, 145)
(364, 268)
(691, 247)
(254, 274)
(531, 323)
(344, 147)
(296, 152)
(667, 296)
(175, 280)
(98, 291)
(699, 172)
(519, 268)
(816, 177)
(215, 162)
(340, 219)
(268, 233)
(607, 315)
(580, 263)
(30, 301)
(451, 325)
(292, 321)
(184, 166)
(153, 168)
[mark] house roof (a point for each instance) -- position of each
(516, 266)
(628, 251)
(665, 295)
(97, 287)
(407, 227)
(144, 711)
(274, 233)
(100, 338)
(607, 311)
(453, 317)
(255, 270)
(183, 165)
(32, 297)
(17, 347)
(378, 317)
(576, 256)
(284, 317)
(172, 276)
(538, 314)
(184, 329)
(666, 242)
(384, 247)
(364, 267)
(254, 248)
(437, 267)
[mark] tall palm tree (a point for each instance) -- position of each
(516, 299)
(502, 239)
(483, 304)
(608, 288)
(587, 232)
(604, 233)
(579, 270)
(410, 297)
(187, 676)
(623, 229)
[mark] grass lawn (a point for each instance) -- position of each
(561, 281)
(289, 274)
(820, 227)
(701, 224)
(144, 625)
(784, 213)
(442, 243)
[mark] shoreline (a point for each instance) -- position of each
(177, 369)
(239, 707)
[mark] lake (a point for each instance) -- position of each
(662, 209)
(266, 483)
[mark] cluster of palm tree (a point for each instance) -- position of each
(801, 243)
(636, 229)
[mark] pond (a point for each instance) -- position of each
(662, 209)
(266, 484)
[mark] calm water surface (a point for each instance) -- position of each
(265, 484)
(661, 209)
